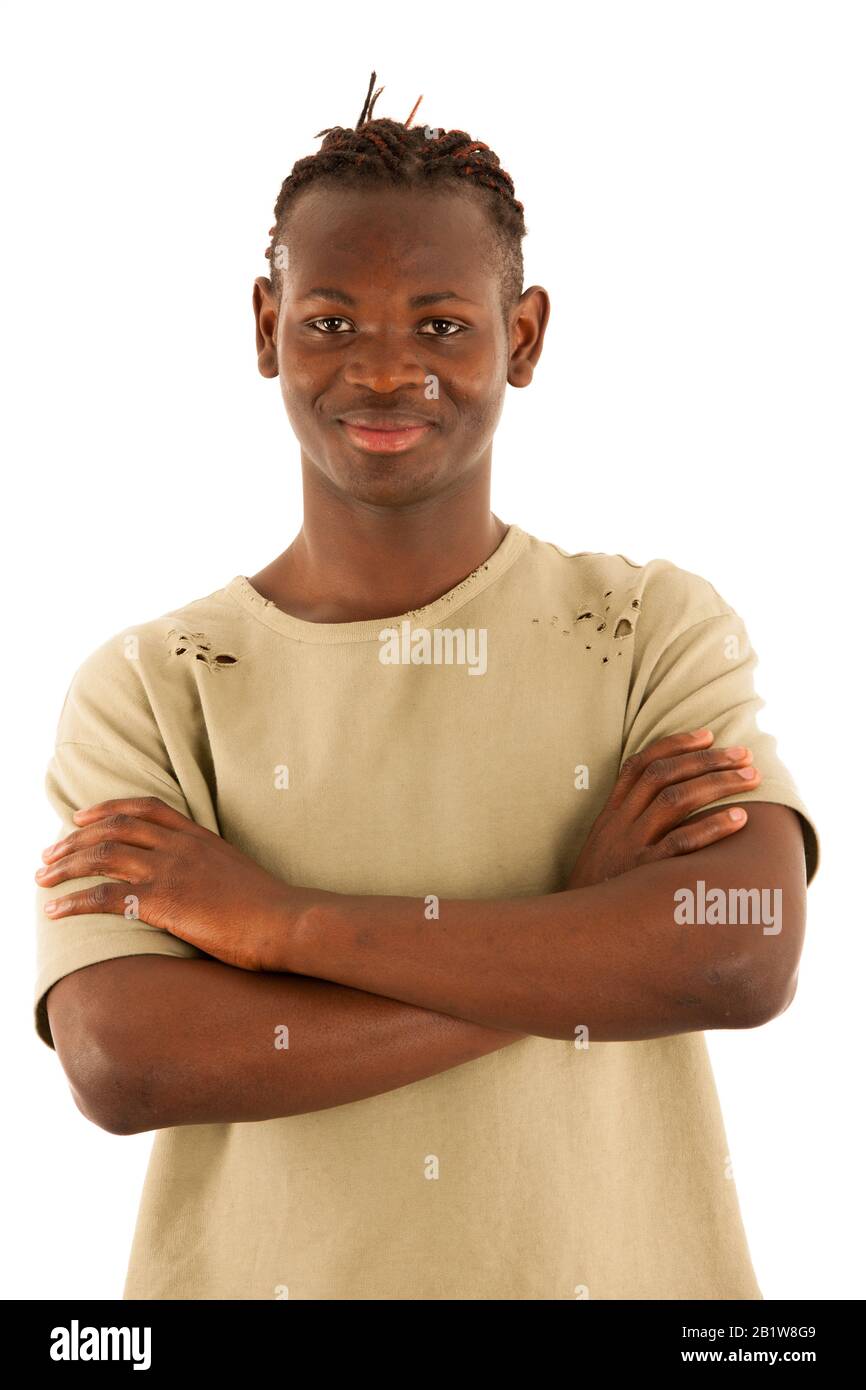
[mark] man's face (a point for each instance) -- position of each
(357, 348)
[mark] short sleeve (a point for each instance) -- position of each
(93, 762)
(703, 677)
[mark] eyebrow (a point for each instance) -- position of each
(418, 301)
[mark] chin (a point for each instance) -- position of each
(390, 482)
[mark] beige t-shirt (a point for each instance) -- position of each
(333, 761)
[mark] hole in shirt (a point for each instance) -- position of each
(198, 646)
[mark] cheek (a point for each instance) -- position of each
(479, 396)
(478, 386)
(300, 387)
(298, 370)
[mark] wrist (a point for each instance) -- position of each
(297, 927)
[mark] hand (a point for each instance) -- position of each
(643, 819)
(176, 875)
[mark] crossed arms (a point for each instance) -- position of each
(376, 994)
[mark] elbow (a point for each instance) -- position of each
(103, 1057)
(106, 1091)
(754, 998)
(94, 1109)
(763, 1005)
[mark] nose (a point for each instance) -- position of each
(385, 362)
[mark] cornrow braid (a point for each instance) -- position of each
(403, 155)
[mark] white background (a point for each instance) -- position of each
(693, 181)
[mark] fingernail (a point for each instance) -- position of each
(736, 753)
(747, 773)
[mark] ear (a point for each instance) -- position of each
(529, 320)
(266, 316)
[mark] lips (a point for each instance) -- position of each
(384, 432)
(384, 419)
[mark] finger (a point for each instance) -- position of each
(117, 826)
(634, 766)
(107, 857)
(673, 803)
(103, 897)
(686, 767)
(149, 808)
(697, 834)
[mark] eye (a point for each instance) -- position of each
(453, 329)
(331, 318)
(449, 323)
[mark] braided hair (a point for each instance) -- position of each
(386, 151)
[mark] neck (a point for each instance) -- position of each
(351, 561)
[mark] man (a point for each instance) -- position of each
(400, 880)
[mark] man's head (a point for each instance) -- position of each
(395, 298)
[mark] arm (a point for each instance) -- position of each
(147, 1042)
(610, 956)
(129, 1032)
(616, 960)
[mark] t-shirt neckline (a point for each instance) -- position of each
(367, 630)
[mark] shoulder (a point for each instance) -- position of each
(655, 597)
(148, 665)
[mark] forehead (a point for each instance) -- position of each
(389, 236)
